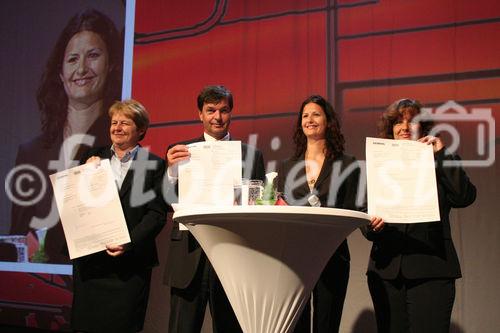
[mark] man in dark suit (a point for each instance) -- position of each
(188, 272)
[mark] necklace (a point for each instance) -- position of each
(311, 181)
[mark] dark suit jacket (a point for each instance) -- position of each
(37, 154)
(111, 293)
(144, 221)
(184, 252)
(424, 250)
(336, 186)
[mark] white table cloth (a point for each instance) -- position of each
(268, 258)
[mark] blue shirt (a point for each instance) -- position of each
(120, 166)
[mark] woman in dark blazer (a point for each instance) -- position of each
(413, 267)
(111, 288)
(320, 174)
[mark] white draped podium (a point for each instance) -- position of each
(268, 258)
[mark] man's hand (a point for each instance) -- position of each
(176, 154)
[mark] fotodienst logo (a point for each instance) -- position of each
(447, 115)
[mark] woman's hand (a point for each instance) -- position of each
(376, 224)
(115, 250)
(437, 143)
(94, 159)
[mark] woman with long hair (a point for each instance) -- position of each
(320, 174)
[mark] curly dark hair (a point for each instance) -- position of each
(51, 96)
(396, 111)
(334, 137)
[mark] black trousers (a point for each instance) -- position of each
(328, 299)
(405, 305)
(113, 300)
(187, 306)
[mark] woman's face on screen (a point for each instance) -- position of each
(85, 68)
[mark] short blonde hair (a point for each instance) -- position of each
(134, 110)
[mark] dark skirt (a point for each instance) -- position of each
(109, 296)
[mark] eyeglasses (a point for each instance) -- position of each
(406, 102)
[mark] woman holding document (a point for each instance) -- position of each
(111, 287)
(413, 267)
(320, 174)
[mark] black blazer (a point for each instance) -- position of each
(336, 186)
(184, 252)
(424, 250)
(144, 222)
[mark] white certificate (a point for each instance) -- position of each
(209, 176)
(90, 209)
(401, 181)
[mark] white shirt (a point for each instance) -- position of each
(208, 137)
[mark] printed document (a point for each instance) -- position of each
(90, 209)
(209, 176)
(401, 181)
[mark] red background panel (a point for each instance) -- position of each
(420, 53)
(244, 8)
(159, 15)
(269, 66)
(389, 15)
(378, 98)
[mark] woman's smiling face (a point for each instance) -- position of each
(85, 68)
(314, 121)
(405, 128)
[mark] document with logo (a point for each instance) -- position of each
(402, 184)
(89, 206)
(210, 174)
